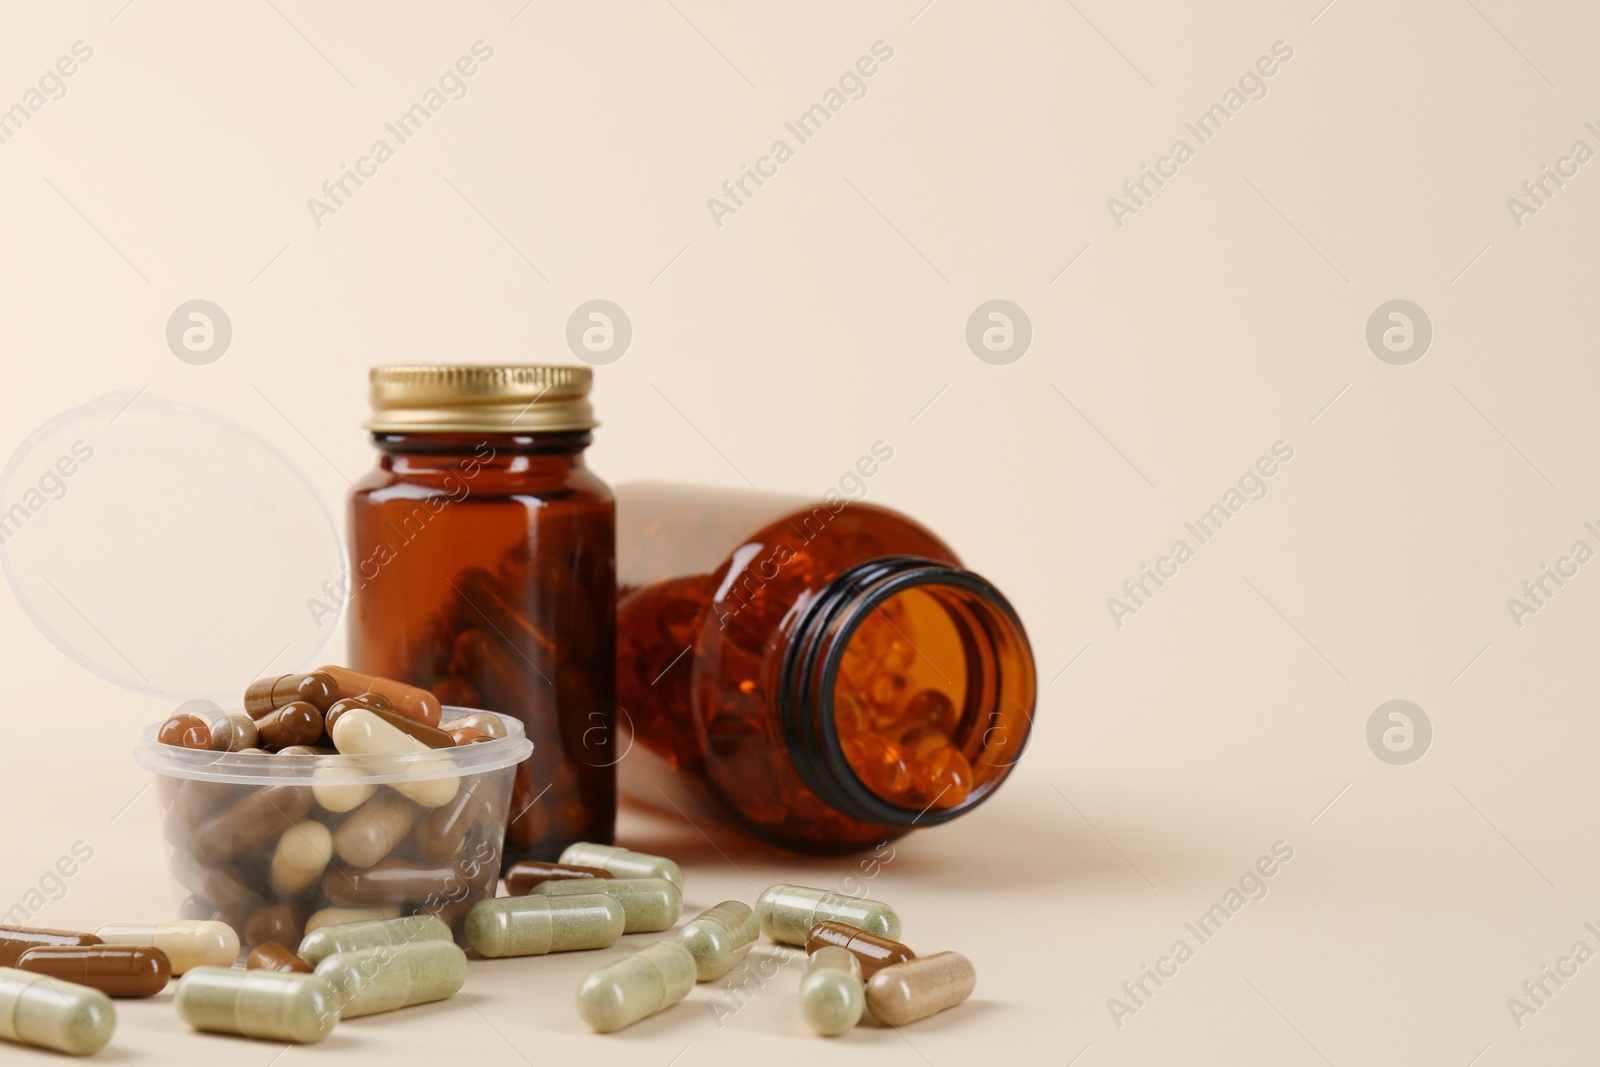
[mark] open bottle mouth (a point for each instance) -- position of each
(907, 692)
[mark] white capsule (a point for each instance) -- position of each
(302, 854)
(636, 987)
(359, 732)
(38, 1010)
(622, 863)
(832, 997)
(188, 943)
(339, 798)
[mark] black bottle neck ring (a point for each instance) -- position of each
(810, 670)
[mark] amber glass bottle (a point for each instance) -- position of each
(483, 568)
(825, 672)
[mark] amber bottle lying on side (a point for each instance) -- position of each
(823, 672)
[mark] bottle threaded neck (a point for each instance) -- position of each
(986, 658)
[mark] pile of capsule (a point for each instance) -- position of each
(274, 860)
(55, 985)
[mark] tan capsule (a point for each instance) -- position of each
(188, 943)
(650, 904)
(234, 732)
(536, 925)
(302, 854)
(336, 916)
(350, 937)
(271, 956)
(788, 912)
(486, 723)
(36, 1009)
(832, 997)
(720, 937)
(636, 987)
(277, 1005)
(339, 798)
(921, 987)
(359, 732)
(622, 863)
(375, 828)
(373, 980)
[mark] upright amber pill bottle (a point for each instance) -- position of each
(824, 671)
(483, 568)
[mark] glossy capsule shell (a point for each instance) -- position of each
(649, 904)
(271, 956)
(360, 732)
(339, 797)
(788, 912)
(374, 933)
(873, 951)
(264, 694)
(536, 925)
(524, 876)
(408, 700)
(390, 977)
(720, 937)
(832, 997)
(295, 724)
(921, 987)
(267, 1004)
(15, 940)
(115, 970)
(431, 736)
(486, 723)
(301, 855)
(36, 1009)
(636, 987)
(623, 863)
(188, 943)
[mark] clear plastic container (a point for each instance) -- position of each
(266, 841)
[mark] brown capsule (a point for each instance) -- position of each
(524, 876)
(271, 956)
(283, 923)
(15, 940)
(115, 970)
(408, 700)
(375, 828)
(441, 832)
(466, 735)
(234, 732)
(394, 881)
(873, 951)
(431, 736)
(297, 723)
(265, 694)
(185, 731)
(457, 693)
(265, 813)
(916, 989)
(365, 701)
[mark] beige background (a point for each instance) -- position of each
(829, 312)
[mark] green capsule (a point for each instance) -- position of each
(832, 997)
(720, 937)
(537, 924)
(623, 863)
(278, 1005)
(788, 912)
(371, 933)
(648, 904)
(372, 980)
(636, 987)
(38, 1010)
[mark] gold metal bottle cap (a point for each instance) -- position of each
(481, 398)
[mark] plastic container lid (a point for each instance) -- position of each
(271, 768)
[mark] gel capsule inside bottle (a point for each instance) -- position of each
(825, 673)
